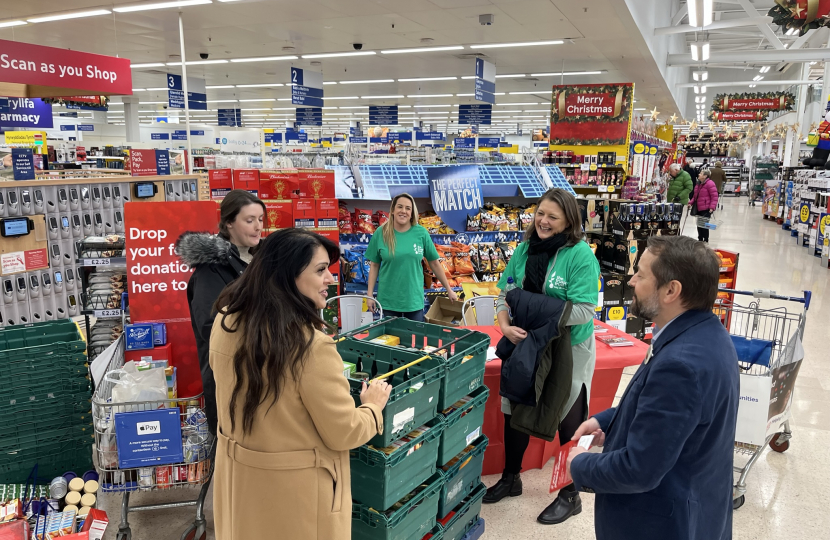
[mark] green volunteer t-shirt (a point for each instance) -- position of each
(401, 278)
(573, 275)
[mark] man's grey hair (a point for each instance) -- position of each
(674, 167)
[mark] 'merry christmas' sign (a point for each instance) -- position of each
(591, 114)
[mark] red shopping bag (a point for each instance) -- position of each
(560, 477)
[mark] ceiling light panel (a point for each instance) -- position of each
(519, 44)
(423, 49)
(379, 97)
(429, 96)
(65, 16)
(160, 5)
(338, 55)
(7, 24)
(151, 64)
(423, 79)
(371, 81)
(263, 59)
(264, 85)
(218, 87)
(341, 97)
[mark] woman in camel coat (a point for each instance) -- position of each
(282, 458)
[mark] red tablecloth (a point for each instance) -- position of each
(607, 375)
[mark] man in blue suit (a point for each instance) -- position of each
(665, 472)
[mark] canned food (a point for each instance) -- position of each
(163, 475)
(59, 487)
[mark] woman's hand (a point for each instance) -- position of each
(371, 305)
(513, 333)
(376, 393)
(452, 296)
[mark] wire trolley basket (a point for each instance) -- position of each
(199, 448)
(768, 343)
(711, 223)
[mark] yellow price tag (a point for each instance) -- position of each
(639, 148)
(610, 189)
(652, 150)
(593, 166)
(805, 214)
(825, 221)
(616, 313)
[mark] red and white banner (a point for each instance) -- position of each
(754, 104)
(77, 72)
(741, 115)
(158, 278)
(143, 163)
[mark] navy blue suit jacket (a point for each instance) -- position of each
(666, 468)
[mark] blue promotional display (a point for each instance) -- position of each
(273, 137)
(65, 127)
(485, 81)
(148, 438)
(475, 114)
(464, 143)
(455, 193)
(229, 117)
(23, 163)
(310, 116)
(196, 93)
(295, 136)
(405, 136)
(307, 87)
(383, 115)
(358, 140)
(162, 162)
(160, 136)
(198, 132)
(379, 140)
(25, 112)
(489, 142)
(179, 135)
(86, 127)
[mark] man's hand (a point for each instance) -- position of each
(590, 427)
(575, 451)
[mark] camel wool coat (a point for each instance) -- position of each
(290, 476)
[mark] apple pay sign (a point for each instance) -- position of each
(148, 428)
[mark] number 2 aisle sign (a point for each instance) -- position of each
(307, 87)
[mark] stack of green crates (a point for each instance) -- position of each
(400, 479)
(45, 393)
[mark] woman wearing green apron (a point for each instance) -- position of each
(555, 260)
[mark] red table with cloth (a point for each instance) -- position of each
(606, 380)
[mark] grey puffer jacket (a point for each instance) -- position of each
(216, 263)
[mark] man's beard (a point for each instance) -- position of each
(645, 309)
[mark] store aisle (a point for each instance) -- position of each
(787, 493)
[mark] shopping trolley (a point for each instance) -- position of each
(199, 450)
(767, 340)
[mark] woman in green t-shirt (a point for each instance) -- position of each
(395, 252)
(554, 260)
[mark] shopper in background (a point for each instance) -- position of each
(718, 176)
(286, 418)
(218, 260)
(680, 186)
(395, 253)
(666, 466)
(704, 202)
(689, 167)
(554, 260)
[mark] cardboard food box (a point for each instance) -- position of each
(305, 211)
(221, 183)
(614, 290)
(95, 524)
(327, 212)
(445, 312)
(247, 179)
(279, 185)
(139, 336)
(279, 215)
(316, 184)
(164, 352)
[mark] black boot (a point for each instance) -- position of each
(509, 485)
(566, 504)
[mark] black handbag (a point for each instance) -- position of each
(693, 209)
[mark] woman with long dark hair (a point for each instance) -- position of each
(553, 260)
(286, 418)
(218, 260)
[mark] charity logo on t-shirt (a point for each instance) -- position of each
(419, 250)
(557, 282)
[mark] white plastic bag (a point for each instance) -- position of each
(131, 385)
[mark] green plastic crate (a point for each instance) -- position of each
(462, 478)
(437, 533)
(412, 521)
(380, 480)
(72, 361)
(462, 426)
(466, 515)
(76, 458)
(60, 401)
(45, 390)
(408, 406)
(37, 334)
(51, 377)
(18, 429)
(461, 377)
(43, 442)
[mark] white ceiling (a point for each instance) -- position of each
(598, 36)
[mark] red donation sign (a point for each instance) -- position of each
(158, 278)
(62, 72)
(143, 163)
(591, 114)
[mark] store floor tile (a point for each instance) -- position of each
(786, 494)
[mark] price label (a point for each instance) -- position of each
(610, 189)
(106, 313)
(593, 166)
(602, 189)
(97, 262)
(585, 167)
